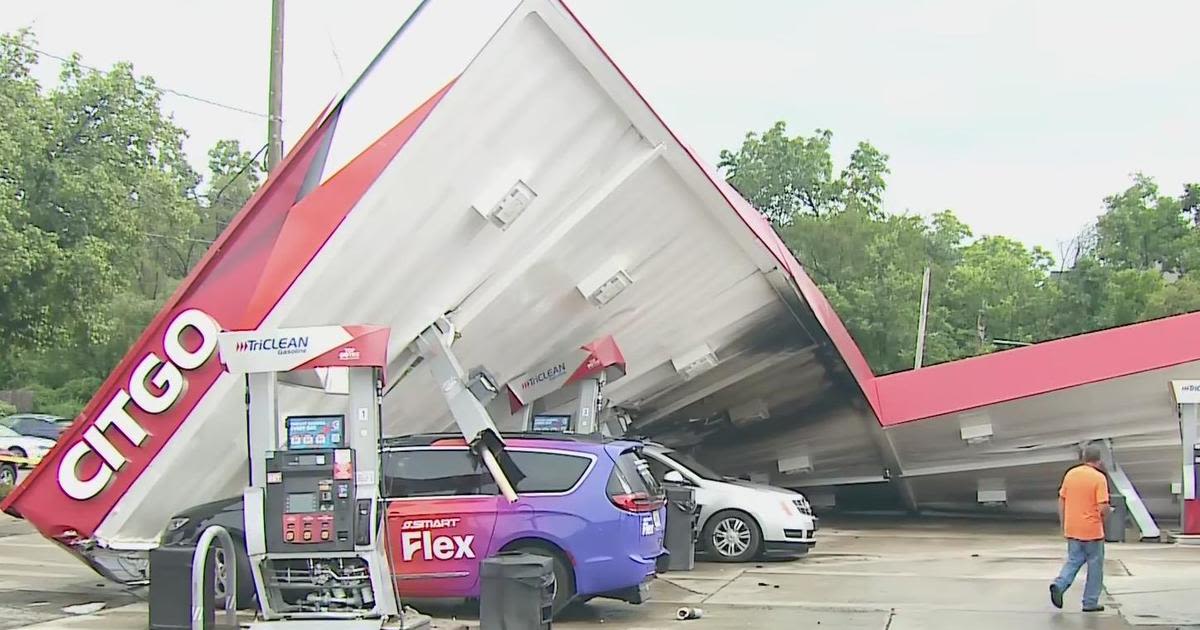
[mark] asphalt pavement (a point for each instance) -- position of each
(868, 574)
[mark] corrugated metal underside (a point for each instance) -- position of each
(1034, 441)
(541, 104)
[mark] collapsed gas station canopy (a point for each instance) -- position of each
(531, 196)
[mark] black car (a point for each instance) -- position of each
(36, 425)
(185, 528)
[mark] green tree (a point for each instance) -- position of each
(870, 266)
(91, 172)
(1181, 296)
(1141, 263)
(234, 175)
(868, 262)
(1138, 262)
(785, 177)
(1191, 202)
(998, 290)
(1080, 294)
(1142, 229)
(99, 219)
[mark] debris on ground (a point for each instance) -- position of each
(84, 609)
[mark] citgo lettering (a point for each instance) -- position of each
(167, 376)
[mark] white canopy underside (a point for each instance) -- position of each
(542, 104)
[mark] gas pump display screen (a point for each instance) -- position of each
(316, 431)
(301, 503)
(551, 424)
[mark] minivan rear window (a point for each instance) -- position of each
(633, 471)
(548, 472)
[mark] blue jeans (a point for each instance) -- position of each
(1080, 552)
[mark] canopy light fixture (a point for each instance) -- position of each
(749, 412)
(510, 207)
(795, 464)
(991, 491)
(605, 283)
(695, 362)
(975, 428)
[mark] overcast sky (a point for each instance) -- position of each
(1020, 116)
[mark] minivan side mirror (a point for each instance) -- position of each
(674, 476)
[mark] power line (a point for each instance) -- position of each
(176, 237)
(215, 199)
(238, 174)
(336, 59)
(191, 97)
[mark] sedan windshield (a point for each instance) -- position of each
(698, 469)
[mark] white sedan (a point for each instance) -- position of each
(739, 520)
(17, 445)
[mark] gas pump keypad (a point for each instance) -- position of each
(310, 500)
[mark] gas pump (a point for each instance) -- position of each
(314, 532)
(566, 394)
(1187, 398)
(313, 509)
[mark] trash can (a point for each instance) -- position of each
(680, 538)
(1114, 523)
(516, 592)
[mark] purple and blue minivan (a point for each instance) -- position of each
(588, 503)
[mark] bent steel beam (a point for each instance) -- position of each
(1137, 508)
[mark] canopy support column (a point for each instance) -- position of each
(1133, 501)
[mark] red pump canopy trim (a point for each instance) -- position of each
(590, 360)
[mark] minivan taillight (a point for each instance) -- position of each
(636, 502)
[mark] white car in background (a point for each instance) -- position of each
(17, 445)
(739, 520)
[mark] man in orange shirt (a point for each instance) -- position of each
(1082, 506)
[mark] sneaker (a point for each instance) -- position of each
(1096, 608)
(1056, 596)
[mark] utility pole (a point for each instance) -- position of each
(981, 328)
(921, 320)
(275, 89)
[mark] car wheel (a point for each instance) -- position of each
(220, 569)
(8, 474)
(732, 537)
(17, 451)
(245, 580)
(564, 579)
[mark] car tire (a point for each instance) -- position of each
(732, 536)
(8, 474)
(245, 579)
(564, 576)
